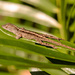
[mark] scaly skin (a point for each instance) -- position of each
(40, 38)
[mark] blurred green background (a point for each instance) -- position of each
(54, 17)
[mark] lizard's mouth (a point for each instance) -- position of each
(3, 26)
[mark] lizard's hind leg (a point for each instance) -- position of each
(46, 44)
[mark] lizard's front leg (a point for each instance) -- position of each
(18, 36)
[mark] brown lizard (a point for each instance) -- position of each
(40, 38)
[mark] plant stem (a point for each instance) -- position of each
(68, 20)
(61, 17)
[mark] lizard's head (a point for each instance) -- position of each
(10, 27)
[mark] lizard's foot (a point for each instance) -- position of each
(50, 45)
(47, 45)
(18, 36)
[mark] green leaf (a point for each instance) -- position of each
(41, 4)
(55, 71)
(28, 13)
(25, 45)
(71, 1)
(72, 27)
(22, 62)
(5, 73)
(69, 16)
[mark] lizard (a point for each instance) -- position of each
(40, 35)
(40, 38)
